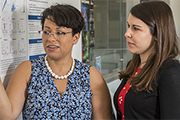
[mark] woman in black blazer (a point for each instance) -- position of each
(150, 87)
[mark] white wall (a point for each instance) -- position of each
(129, 5)
(175, 6)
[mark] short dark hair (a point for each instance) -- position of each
(64, 15)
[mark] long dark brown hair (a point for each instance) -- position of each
(159, 18)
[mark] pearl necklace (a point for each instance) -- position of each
(56, 76)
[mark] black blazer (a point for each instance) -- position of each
(162, 103)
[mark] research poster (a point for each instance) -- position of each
(35, 8)
(12, 36)
(19, 37)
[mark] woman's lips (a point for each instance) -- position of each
(52, 47)
(129, 43)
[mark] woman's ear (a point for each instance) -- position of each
(76, 38)
(155, 38)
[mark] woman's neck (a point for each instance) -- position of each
(142, 64)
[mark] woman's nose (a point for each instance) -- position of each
(128, 33)
(51, 37)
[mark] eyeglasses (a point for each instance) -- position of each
(47, 34)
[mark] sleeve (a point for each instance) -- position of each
(169, 91)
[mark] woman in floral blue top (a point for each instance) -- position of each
(56, 86)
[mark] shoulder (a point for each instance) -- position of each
(22, 71)
(97, 82)
(38, 61)
(168, 89)
(171, 62)
(81, 64)
(96, 77)
(170, 67)
(82, 68)
(169, 74)
(24, 65)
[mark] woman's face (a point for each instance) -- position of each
(138, 37)
(55, 45)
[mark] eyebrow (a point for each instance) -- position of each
(49, 27)
(135, 25)
(46, 27)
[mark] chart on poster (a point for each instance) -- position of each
(12, 35)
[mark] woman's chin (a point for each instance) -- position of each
(131, 51)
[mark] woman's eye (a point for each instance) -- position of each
(45, 32)
(60, 33)
(136, 28)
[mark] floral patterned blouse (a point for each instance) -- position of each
(44, 101)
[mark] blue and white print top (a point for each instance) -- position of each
(44, 101)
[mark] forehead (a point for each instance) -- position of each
(49, 24)
(134, 20)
